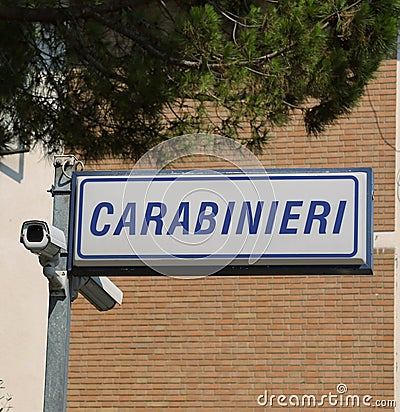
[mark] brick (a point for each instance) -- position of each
(219, 342)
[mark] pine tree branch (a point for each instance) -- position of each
(73, 13)
(143, 42)
(88, 57)
(192, 64)
(56, 15)
(232, 17)
(338, 13)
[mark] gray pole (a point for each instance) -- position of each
(58, 329)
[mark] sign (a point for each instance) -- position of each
(256, 219)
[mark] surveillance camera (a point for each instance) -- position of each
(42, 239)
(46, 241)
(101, 292)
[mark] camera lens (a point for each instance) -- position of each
(34, 233)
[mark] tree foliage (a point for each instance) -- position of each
(116, 77)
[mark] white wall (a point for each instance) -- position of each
(24, 181)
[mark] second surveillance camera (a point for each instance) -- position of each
(101, 292)
(42, 239)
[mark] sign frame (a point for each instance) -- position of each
(234, 269)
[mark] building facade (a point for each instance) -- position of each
(253, 342)
(24, 181)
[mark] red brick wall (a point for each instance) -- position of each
(219, 342)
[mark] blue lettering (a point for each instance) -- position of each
(129, 211)
(157, 218)
(271, 217)
(247, 213)
(210, 218)
(339, 217)
(95, 218)
(183, 209)
(228, 218)
(321, 217)
(287, 215)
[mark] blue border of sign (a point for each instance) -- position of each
(275, 174)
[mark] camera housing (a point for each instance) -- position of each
(42, 238)
(47, 242)
(101, 292)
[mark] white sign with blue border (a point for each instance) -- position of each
(253, 219)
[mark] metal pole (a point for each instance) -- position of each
(58, 330)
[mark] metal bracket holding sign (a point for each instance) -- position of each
(226, 222)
